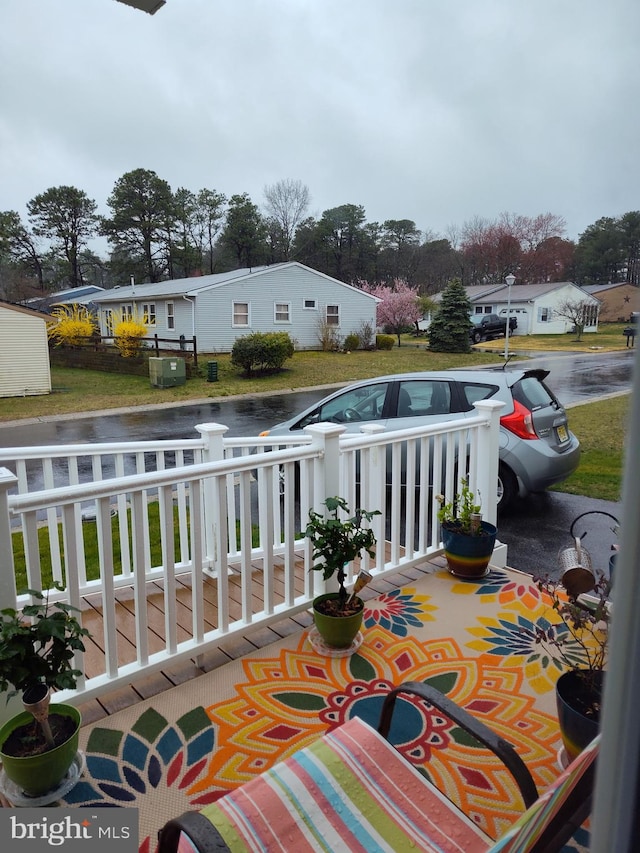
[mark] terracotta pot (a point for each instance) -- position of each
(468, 556)
(573, 694)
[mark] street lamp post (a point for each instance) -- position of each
(509, 279)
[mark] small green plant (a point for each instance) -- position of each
(385, 342)
(351, 342)
(37, 645)
(462, 513)
(337, 541)
(579, 642)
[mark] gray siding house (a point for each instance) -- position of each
(217, 309)
(24, 352)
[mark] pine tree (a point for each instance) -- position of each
(449, 329)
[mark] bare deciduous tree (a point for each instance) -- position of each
(287, 202)
(579, 312)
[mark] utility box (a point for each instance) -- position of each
(167, 372)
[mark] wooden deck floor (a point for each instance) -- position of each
(236, 647)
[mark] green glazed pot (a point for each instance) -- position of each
(35, 775)
(337, 631)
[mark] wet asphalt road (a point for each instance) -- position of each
(535, 529)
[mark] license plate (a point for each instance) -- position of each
(563, 434)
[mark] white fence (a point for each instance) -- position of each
(111, 521)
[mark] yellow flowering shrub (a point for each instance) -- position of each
(128, 332)
(71, 325)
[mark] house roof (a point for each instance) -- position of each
(601, 288)
(483, 293)
(24, 309)
(195, 285)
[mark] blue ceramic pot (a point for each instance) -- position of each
(468, 556)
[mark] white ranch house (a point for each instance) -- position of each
(533, 305)
(216, 309)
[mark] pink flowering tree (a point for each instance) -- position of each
(399, 306)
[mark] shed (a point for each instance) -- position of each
(219, 308)
(24, 351)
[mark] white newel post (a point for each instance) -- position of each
(213, 451)
(327, 480)
(487, 469)
(8, 596)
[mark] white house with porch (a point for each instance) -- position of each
(535, 306)
(217, 309)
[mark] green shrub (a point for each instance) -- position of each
(352, 342)
(262, 351)
(385, 341)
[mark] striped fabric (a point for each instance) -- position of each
(350, 790)
(525, 832)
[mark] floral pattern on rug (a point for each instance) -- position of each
(279, 703)
(286, 702)
(398, 611)
(154, 758)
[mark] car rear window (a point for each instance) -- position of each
(533, 393)
(473, 392)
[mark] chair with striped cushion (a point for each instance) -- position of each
(352, 790)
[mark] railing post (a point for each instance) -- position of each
(487, 462)
(373, 489)
(8, 594)
(327, 482)
(213, 451)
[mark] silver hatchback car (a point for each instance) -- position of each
(537, 449)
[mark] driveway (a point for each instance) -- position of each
(537, 528)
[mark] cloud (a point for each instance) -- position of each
(420, 109)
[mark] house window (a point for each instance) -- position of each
(126, 311)
(171, 317)
(282, 312)
(544, 315)
(108, 322)
(149, 313)
(310, 304)
(240, 314)
(333, 315)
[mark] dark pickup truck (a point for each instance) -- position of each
(488, 326)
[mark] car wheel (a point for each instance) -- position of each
(507, 487)
(477, 337)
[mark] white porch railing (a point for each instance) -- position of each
(213, 507)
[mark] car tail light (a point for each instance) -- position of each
(519, 422)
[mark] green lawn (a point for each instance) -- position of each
(89, 391)
(601, 427)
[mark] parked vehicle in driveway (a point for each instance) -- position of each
(488, 326)
(537, 449)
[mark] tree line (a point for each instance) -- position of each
(155, 233)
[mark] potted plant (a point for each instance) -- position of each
(578, 645)
(38, 746)
(338, 538)
(468, 540)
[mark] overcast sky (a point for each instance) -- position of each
(433, 110)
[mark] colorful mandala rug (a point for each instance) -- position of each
(475, 641)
